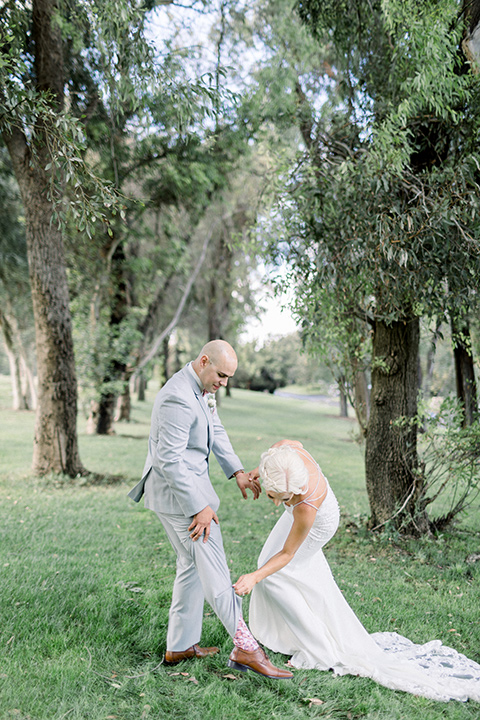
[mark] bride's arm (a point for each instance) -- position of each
(303, 517)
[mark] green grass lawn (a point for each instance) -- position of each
(86, 577)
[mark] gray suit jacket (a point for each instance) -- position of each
(183, 432)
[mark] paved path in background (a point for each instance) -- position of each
(327, 399)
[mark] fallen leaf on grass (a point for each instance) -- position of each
(230, 677)
(314, 701)
(193, 680)
(131, 586)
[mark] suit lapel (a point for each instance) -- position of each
(203, 405)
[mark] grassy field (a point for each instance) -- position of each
(86, 578)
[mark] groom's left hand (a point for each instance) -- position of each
(245, 482)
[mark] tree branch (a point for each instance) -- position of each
(174, 321)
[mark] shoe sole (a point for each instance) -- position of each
(245, 668)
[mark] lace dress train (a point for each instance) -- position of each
(301, 612)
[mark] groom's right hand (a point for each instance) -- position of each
(201, 522)
(246, 481)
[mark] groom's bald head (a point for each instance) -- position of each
(218, 350)
(215, 364)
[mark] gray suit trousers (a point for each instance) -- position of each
(202, 574)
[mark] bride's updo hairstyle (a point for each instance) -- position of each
(283, 471)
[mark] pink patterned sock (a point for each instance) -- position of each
(244, 638)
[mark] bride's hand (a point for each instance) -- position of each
(244, 584)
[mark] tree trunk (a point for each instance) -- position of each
(361, 396)
(465, 372)
(470, 45)
(219, 296)
(107, 402)
(391, 452)
(18, 399)
(341, 381)
(27, 381)
(124, 402)
(55, 444)
(105, 413)
(178, 358)
(430, 363)
(166, 358)
(141, 387)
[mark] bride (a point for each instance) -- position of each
(297, 609)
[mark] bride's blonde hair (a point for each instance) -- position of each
(282, 470)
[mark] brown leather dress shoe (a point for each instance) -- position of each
(257, 661)
(173, 657)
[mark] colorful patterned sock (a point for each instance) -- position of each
(244, 638)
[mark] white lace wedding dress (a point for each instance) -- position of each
(300, 611)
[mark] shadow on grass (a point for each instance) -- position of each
(85, 479)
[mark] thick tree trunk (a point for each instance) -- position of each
(465, 372)
(391, 452)
(55, 445)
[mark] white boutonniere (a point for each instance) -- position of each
(211, 402)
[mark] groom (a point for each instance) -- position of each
(177, 487)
